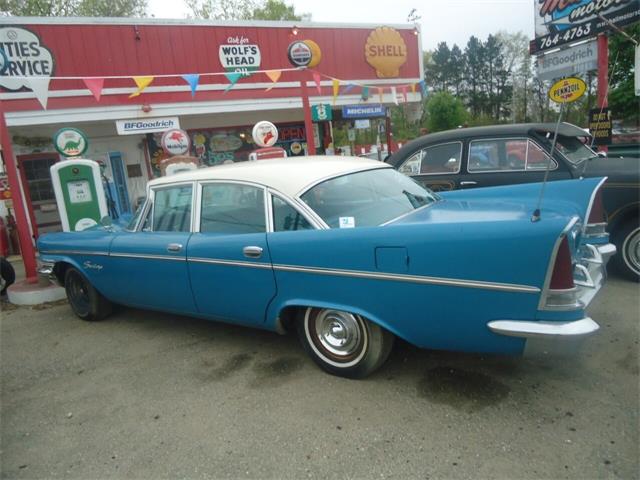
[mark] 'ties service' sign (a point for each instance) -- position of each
(238, 55)
(25, 57)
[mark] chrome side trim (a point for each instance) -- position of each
(595, 230)
(505, 287)
(531, 329)
(148, 257)
(75, 252)
(233, 263)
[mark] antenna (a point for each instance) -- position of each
(536, 213)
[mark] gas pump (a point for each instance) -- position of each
(265, 135)
(79, 192)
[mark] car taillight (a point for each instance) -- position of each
(562, 277)
(596, 215)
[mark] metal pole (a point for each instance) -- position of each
(24, 236)
(308, 124)
(603, 75)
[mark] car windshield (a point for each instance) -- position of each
(136, 216)
(573, 149)
(366, 199)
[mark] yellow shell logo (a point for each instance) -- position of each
(567, 90)
(316, 54)
(385, 51)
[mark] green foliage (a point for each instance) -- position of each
(622, 100)
(74, 8)
(242, 10)
(444, 112)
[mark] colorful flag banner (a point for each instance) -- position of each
(274, 76)
(316, 78)
(233, 78)
(381, 94)
(95, 86)
(348, 88)
(335, 83)
(403, 91)
(413, 88)
(192, 79)
(40, 87)
(394, 94)
(365, 93)
(423, 88)
(142, 83)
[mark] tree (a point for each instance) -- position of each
(444, 112)
(242, 10)
(74, 8)
(623, 102)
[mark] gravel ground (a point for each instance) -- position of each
(149, 395)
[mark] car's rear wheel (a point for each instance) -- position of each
(343, 343)
(86, 302)
(627, 241)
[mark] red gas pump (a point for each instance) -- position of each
(265, 135)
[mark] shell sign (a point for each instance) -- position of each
(567, 90)
(385, 51)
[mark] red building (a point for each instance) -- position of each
(51, 63)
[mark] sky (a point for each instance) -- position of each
(451, 21)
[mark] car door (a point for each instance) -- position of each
(507, 161)
(149, 264)
(436, 167)
(229, 261)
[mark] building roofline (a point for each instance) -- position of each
(190, 22)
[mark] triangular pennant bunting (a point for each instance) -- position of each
(348, 88)
(40, 87)
(192, 79)
(413, 88)
(403, 91)
(316, 78)
(335, 84)
(423, 88)
(365, 94)
(394, 95)
(95, 86)
(274, 76)
(142, 83)
(380, 94)
(233, 78)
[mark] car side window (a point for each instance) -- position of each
(286, 218)
(172, 209)
(443, 158)
(411, 166)
(538, 159)
(232, 208)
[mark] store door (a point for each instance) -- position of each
(38, 189)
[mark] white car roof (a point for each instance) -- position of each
(288, 175)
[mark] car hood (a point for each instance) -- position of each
(620, 169)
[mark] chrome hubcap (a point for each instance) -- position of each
(632, 249)
(338, 332)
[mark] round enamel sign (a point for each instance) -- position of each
(300, 54)
(567, 90)
(70, 142)
(175, 142)
(265, 134)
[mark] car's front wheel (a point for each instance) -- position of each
(627, 241)
(86, 302)
(343, 343)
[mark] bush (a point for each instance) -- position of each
(444, 112)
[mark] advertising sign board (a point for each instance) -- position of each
(600, 126)
(150, 125)
(364, 111)
(321, 112)
(567, 90)
(559, 22)
(25, 56)
(577, 59)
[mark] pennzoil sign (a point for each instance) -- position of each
(567, 90)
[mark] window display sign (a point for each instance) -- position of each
(558, 22)
(239, 55)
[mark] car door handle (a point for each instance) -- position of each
(174, 247)
(252, 251)
(468, 183)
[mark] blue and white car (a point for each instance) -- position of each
(351, 254)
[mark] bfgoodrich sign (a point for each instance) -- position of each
(565, 63)
(148, 125)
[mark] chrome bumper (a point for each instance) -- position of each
(45, 272)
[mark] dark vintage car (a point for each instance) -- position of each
(508, 154)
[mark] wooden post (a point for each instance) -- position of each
(24, 236)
